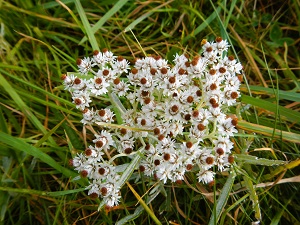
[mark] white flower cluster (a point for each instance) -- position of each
(176, 115)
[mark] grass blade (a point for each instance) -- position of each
(25, 109)
(20, 145)
(203, 25)
(86, 25)
(41, 193)
(222, 200)
(269, 132)
(106, 17)
(250, 159)
(290, 115)
(292, 96)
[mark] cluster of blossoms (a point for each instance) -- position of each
(175, 116)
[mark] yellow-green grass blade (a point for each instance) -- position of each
(288, 114)
(280, 169)
(23, 107)
(46, 136)
(288, 95)
(147, 209)
(41, 90)
(50, 104)
(41, 193)
(250, 159)
(8, 6)
(86, 26)
(117, 6)
(222, 200)
(203, 25)
(20, 145)
(269, 132)
(52, 4)
(253, 196)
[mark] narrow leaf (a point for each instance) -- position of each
(250, 159)
(289, 114)
(270, 132)
(20, 145)
(87, 26)
(106, 17)
(222, 200)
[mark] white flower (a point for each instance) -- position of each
(174, 116)
(120, 88)
(88, 116)
(104, 115)
(230, 96)
(205, 176)
(79, 162)
(107, 73)
(163, 173)
(93, 188)
(98, 85)
(226, 128)
(180, 61)
(177, 174)
(202, 116)
(109, 56)
(166, 145)
(146, 82)
(224, 143)
(161, 63)
(81, 100)
(198, 132)
(99, 58)
(150, 109)
(170, 84)
(121, 65)
(113, 199)
(103, 140)
(148, 168)
(174, 128)
(222, 46)
(198, 66)
(84, 65)
(172, 111)
(126, 144)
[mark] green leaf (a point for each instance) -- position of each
(250, 159)
(41, 193)
(125, 220)
(253, 196)
(22, 146)
(86, 25)
(25, 109)
(204, 24)
(287, 40)
(276, 32)
(117, 6)
(222, 200)
(4, 200)
(289, 114)
(266, 18)
(288, 95)
(268, 131)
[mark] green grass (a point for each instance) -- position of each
(40, 129)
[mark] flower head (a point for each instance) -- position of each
(173, 117)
